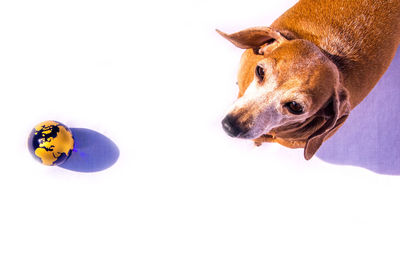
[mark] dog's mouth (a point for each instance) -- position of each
(268, 136)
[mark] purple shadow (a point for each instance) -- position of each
(92, 152)
(370, 138)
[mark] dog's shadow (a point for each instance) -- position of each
(370, 138)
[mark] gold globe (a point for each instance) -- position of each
(51, 142)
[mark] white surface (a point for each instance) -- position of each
(156, 79)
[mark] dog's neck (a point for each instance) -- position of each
(361, 38)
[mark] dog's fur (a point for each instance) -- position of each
(325, 55)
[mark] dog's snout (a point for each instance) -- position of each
(231, 126)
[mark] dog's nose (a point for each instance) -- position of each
(231, 126)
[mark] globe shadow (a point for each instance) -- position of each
(92, 152)
(370, 138)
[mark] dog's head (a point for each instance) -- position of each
(287, 88)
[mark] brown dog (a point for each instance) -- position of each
(299, 78)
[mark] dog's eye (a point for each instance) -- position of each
(294, 107)
(260, 73)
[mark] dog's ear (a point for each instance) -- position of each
(254, 38)
(335, 113)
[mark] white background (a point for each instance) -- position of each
(156, 79)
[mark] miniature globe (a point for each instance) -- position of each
(51, 143)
